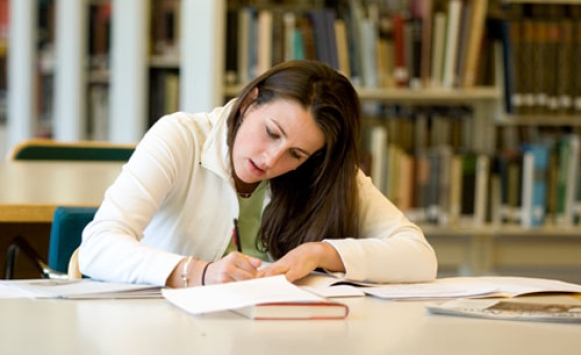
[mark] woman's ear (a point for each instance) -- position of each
(249, 99)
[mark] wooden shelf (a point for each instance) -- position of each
(541, 120)
(547, 231)
(164, 61)
(552, 2)
(438, 96)
(404, 95)
(100, 76)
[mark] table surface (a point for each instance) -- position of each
(373, 326)
(31, 190)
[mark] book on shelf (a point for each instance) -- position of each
(264, 40)
(400, 73)
(534, 184)
(476, 32)
(569, 148)
(413, 57)
(482, 188)
(342, 47)
(464, 29)
(79, 289)
(576, 74)
(438, 48)
(99, 35)
(264, 298)
(231, 49)
(425, 13)
(165, 27)
(565, 312)
(565, 65)
(378, 149)
(451, 46)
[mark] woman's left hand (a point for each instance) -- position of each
(303, 259)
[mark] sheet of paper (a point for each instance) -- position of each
(471, 287)
(80, 288)
(335, 291)
(213, 298)
(7, 291)
(430, 290)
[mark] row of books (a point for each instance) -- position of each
(428, 43)
(542, 46)
(536, 185)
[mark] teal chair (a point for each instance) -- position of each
(65, 237)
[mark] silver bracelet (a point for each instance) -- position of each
(184, 274)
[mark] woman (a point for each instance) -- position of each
(282, 160)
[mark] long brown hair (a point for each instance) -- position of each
(319, 199)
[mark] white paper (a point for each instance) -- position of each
(79, 288)
(450, 287)
(7, 291)
(472, 287)
(335, 291)
(213, 298)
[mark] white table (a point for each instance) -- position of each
(31, 190)
(373, 327)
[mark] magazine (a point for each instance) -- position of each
(510, 310)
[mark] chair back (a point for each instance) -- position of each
(47, 149)
(65, 235)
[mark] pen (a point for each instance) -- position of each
(237, 236)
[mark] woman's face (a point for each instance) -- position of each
(273, 139)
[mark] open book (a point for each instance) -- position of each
(79, 289)
(450, 287)
(265, 298)
(511, 310)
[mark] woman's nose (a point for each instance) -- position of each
(272, 156)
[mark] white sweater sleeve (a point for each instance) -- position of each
(391, 249)
(112, 249)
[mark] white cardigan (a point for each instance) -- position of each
(176, 197)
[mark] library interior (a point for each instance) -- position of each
(471, 127)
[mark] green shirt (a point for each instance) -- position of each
(249, 222)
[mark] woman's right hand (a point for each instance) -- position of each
(233, 267)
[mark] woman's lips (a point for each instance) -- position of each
(254, 169)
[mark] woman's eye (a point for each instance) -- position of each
(270, 133)
(295, 155)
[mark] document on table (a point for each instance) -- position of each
(75, 289)
(451, 287)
